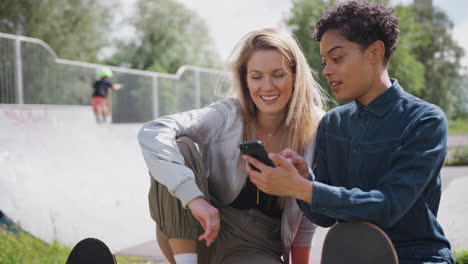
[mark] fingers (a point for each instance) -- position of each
(211, 232)
(280, 160)
(258, 164)
(257, 177)
(291, 155)
(210, 238)
(208, 216)
(252, 172)
(211, 225)
(297, 161)
(288, 153)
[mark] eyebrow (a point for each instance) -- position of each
(332, 49)
(275, 70)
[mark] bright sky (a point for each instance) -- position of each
(230, 20)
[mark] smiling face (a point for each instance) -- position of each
(270, 81)
(350, 70)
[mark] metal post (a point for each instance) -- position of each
(197, 90)
(19, 73)
(155, 98)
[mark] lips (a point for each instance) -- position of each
(334, 85)
(269, 99)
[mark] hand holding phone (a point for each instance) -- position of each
(256, 150)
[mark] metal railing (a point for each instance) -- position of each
(31, 73)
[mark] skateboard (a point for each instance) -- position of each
(362, 243)
(91, 251)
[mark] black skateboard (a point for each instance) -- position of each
(91, 251)
(360, 243)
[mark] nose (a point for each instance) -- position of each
(327, 71)
(268, 83)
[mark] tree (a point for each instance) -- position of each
(403, 64)
(441, 58)
(459, 95)
(304, 15)
(75, 29)
(168, 35)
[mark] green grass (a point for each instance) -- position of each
(458, 156)
(461, 256)
(25, 249)
(458, 126)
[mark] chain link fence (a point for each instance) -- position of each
(31, 73)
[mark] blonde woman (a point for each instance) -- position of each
(202, 192)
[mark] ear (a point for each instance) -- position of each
(376, 52)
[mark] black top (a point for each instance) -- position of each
(101, 86)
(247, 199)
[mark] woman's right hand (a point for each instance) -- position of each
(208, 216)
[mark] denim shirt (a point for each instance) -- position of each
(381, 163)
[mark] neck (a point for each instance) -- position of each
(269, 124)
(377, 87)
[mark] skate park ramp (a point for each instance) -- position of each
(65, 178)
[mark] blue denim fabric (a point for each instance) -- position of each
(381, 163)
(423, 262)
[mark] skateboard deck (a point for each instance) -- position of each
(362, 243)
(91, 251)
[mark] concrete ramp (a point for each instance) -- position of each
(65, 178)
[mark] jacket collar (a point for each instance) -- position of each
(384, 102)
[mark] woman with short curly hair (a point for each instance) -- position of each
(378, 158)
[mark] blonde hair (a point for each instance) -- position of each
(307, 99)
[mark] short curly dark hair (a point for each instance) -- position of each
(361, 22)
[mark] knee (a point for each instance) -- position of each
(183, 140)
(187, 147)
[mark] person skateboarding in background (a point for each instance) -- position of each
(377, 158)
(100, 93)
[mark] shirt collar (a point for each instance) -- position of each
(384, 102)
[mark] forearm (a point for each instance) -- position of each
(354, 204)
(303, 190)
(350, 204)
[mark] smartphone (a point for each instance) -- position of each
(256, 150)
